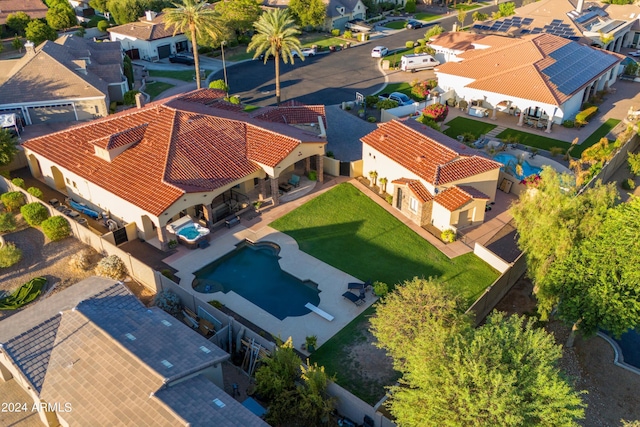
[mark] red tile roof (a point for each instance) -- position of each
(293, 115)
(455, 197)
(416, 187)
(428, 153)
(185, 147)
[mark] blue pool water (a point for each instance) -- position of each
(252, 271)
(510, 161)
(189, 232)
(629, 343)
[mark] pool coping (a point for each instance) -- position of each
(618, 358)
(332, 283)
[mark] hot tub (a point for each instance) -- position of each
(188, 232)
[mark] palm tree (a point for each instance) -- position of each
(196, 17)
(275, 36)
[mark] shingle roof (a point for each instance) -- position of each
(145, 30)
(195, 399)
(36, 9)
(455, 197)
(416, 187)
(429, 154)
(189, 145)
(530, 67)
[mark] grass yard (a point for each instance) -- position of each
(324, 41)
(396, 25)
(239, 55)
(156, 88)
(349, 231)
(466, 6)
(426, 16)
(186, 75)
(461, 125)
(402, 87)
(533, 140)
(599, 133)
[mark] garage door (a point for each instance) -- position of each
(52, 114)
(164, 51)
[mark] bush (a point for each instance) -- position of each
(410, 6)
(347, 34)
(568, 123)
(111, 267)
(235, 99)
(448, 236)
(7, 222)
(219, 84)
(387, 104)
(313, 175)
(35, 192)
(81, 261)
(169, 302)
(629, 184)
(586, 114)
(422, 42)
(371, 119)
(380, 288)
(56, 228)
(428, 121)
(634, 163)
(12, 200)
(112, 107)
(389, 198)
(330, 154)
(103, 25)
(371, 101)
(130, 97)
(335, 32)
(463, 104)
(408, 45)
(555, 151)
(34, 213)
(18, 182)
(420, 90)
(9, 255)
(437, 112)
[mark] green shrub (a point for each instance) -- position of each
(629, 184)
(7, 222)
(634, 163)
(9, 255)
(380, 288)
(169, 302)
(5, 173)
(335, 32)
(410, 6)
(130, 97)
(347, 34)
(111, 267)
(428, 121)
(586, 114)
(103, 25)
(18, 182)
(389, 198)
(422, 42)
(313, 175)
(56, 228)
(555, 151)
(34, 213)
(219, 84)
(12, 200)
(35, 192)
(568, 123)
(167, 273)
(235, 99)
(371, 119)
(112, 107)
(437, 112)
(371, 101)
(330, 154)
(448, 236)
(408, 44)
(387, 104)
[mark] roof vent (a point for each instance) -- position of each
(130, 337)
(166, 323)
(205, 349)
(219, 402)
(166, 363)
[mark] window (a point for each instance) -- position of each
(413, 204)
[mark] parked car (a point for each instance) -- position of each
(635, 54)
(379, 52)
(412, 24)
(307, 51)
(181, 59)
(399, 97)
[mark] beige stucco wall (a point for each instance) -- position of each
(91, 108)
(301, 152)
(486, 182)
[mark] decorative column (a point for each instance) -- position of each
(275, 195)
(521, 118)
(263, 189)
(208, 214)
(320, 169)
(549, 122)
(307, 165)
(493, 115)
(162, 237)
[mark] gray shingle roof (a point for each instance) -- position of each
(193, 399)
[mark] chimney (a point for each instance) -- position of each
(139, 100)
(150, 15)
(30, 48)
(579, 6)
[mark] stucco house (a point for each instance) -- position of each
(192, 154)
(94, 355)
(149, 38)
(70, 79)
(36, 9)
(341, 11)
(434, 179)
(539, 79)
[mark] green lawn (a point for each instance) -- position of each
(426, 16)
(324, 41)
(461, 125)
(466, 6)
(402, 87)
(349, 231)
(239, 55)
(599, 133)
(396, 25)
(186, 75)
(155, 88)
(533, 140)
(249, 108)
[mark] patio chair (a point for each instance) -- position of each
(294, 180)
(364, 285)
(353, 298)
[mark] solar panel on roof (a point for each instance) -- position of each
(527, 21)
(556, 21)
(516, 19)
(525, 31)
(584, 18)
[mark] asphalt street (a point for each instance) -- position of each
(326, 78)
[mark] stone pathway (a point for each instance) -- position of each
(495, 131)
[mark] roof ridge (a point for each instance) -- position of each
(422, 135)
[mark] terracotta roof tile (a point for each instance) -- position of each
(458, 40)
(186, 147)
(299, 114)
(416, 187)
(429, 154)
(452, 198)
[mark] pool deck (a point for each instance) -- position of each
(332, 283)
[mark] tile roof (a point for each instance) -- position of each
(189, 145)
(51, 74)
(119, 139)
(293, 115)
(531, 67)
(452, 198)
(145, 30)
(458, 40)
(195, 400)
(431, 155)
(416, 187)
(36, 9)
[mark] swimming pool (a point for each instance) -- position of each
(511, 162)
(252, 271)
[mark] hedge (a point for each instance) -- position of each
(35, 192)
(34, 213)
(18, 182)
(586, 114)
(56, 228)
(12, 200)
(7, 222)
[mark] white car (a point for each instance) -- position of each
(307, 51)
(379, 52)
(635, 54)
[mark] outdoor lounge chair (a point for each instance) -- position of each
(353, 298)
(294, 180)
(364, 285)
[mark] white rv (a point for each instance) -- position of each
(418, 61)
